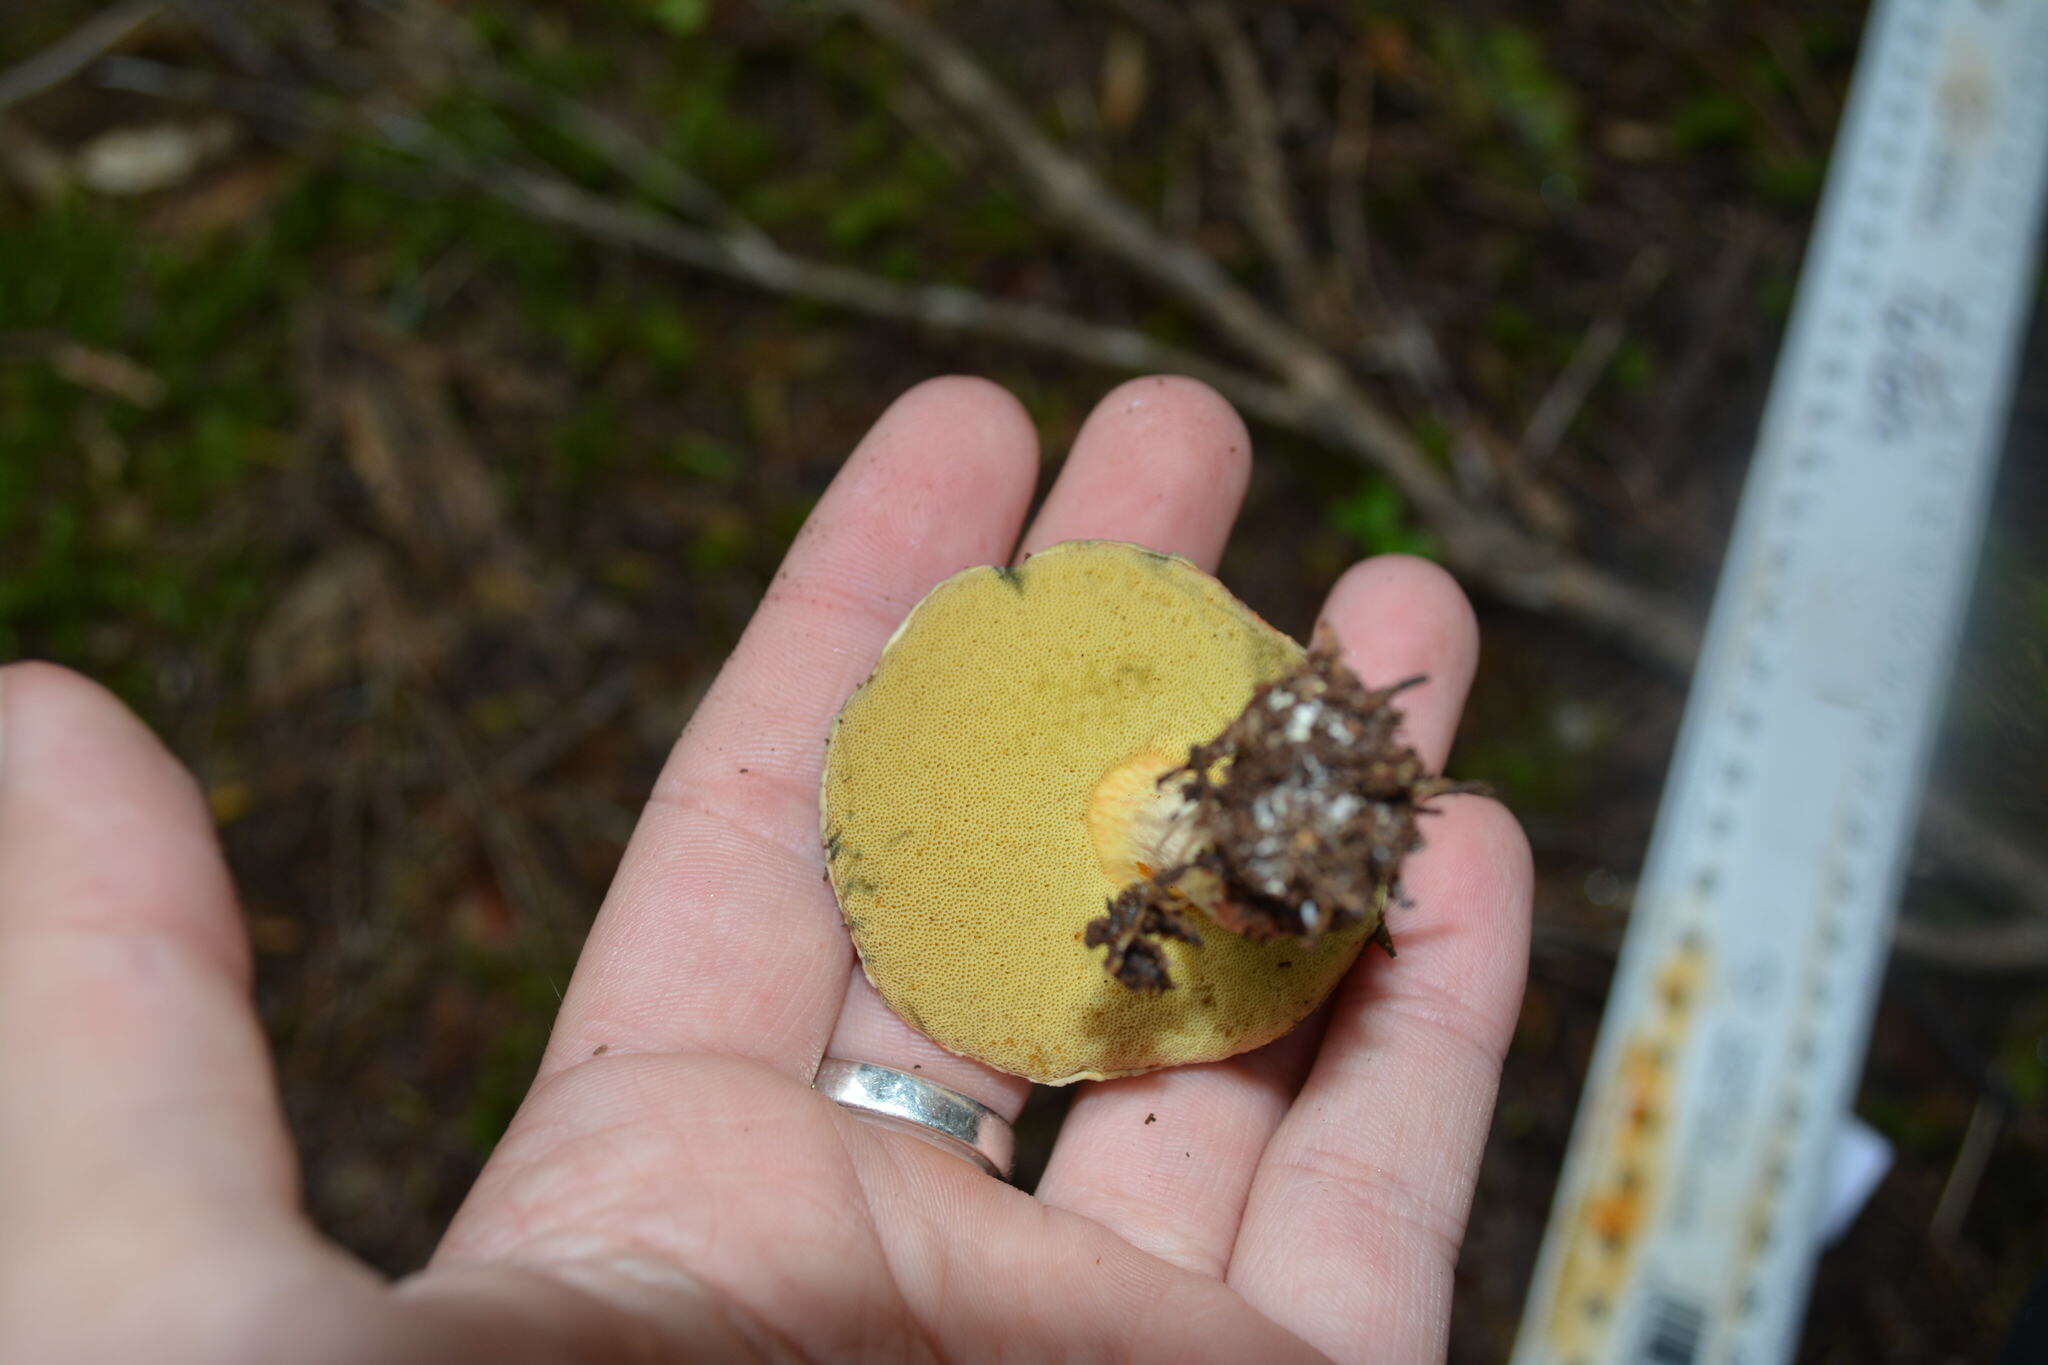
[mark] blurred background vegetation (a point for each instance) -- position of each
(403, 403)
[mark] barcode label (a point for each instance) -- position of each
(1674, 1331)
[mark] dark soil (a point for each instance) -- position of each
(418, 528)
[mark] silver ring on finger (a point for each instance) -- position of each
(925, 1109)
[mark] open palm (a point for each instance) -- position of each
(672, 1187)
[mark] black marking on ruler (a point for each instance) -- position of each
(1674, 1331)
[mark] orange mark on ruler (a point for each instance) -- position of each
(1630, 1158)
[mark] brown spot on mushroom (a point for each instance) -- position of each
(1139, 914)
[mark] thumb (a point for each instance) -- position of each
(136, 1103)
(148, 1205)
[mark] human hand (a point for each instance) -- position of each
(672, 1187)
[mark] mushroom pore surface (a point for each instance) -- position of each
(993, 785)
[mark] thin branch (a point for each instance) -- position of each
(752, 259)
(2018, 945)
(1967, 1172)
(1162, 19)
(1074, 194)
(74, 52)
(2001, 869)
(1711, 326)
(1316, 396)
(917, 109)
(509, 843)
(228, 29)
(667, 180)
(943, 308)
(1511, 564)
(1350, 150)
(533, 756)
(1567, 395)
(1514, 565)
(1318, 401)
(1268, 191)
(760, 263)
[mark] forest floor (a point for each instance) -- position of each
(417, 522)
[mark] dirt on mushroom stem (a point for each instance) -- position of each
(1300, 815)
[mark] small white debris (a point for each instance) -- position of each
(1301, 724)
(135, 161)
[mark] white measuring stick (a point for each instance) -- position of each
(1685, 1227)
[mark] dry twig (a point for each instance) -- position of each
(71, 54)
(1325, 400)
(540, 751)
(1162, 19)
(1713, 325)
(1567, 395)
(1966, 1173)
(1313, 395)
(1268, 189)
(1350, 150)
(944, 308)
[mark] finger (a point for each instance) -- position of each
(719, 933)
(135, 1093)
(1352, 1229)
(1167, 1159)
(1161, 462)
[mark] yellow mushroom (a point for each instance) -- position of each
(1029, 749)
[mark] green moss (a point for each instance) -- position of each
(1635, 368)
(588, 441)
(1434, 436)
(1712, 120)
(699, 456)
(861, 212)
(1511, 327)
(121, 516)
(1375, 518)
(1789, 179)
(519, 980)
(705, 127)
(683, 18)
(1499, 79)
(668, 339)
(724, 541)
